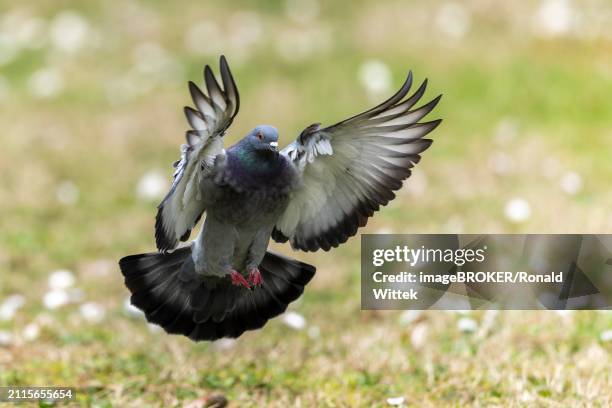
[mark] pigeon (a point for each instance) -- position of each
(315, 194)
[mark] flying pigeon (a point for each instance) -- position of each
(314, 193)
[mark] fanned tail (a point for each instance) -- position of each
(167, 289)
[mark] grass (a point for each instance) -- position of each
(537, 105)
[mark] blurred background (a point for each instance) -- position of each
(91, 97)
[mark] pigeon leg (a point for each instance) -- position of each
(255, 277)
(238, 279)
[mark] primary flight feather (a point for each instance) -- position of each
(315, 193)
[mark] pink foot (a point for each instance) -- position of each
(238, 279)
(255, 277)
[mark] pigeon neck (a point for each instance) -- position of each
(250, 169)
(257, 161)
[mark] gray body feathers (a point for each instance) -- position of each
(238, 224)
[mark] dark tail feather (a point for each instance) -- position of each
(166, 288)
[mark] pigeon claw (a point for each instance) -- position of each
(255, 277)
(238, 279)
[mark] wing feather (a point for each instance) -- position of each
(186, 201)
(195, 119)
(351, 169)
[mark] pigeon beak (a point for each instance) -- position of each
(274, 145)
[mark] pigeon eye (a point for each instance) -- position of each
(260, 136)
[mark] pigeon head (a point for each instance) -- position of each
(255, 161)
(263, 138)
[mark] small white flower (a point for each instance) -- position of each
(409, 316)
(9, 307)
(418, 337)
(154, 328)
(224, 344)
(15, 301)
(68, 31)
(55, 299)
(31, 332)
(453, 20)
(61, 279)
(571, 183)
(46, 83)
(30, 32)
(92, 312)
(375, 77)
(294, 320)
(152, 186)
(489, 318)
(6, 313)
(130, 310)
(395, 401)
(606, 335)
(67, 193)
(526, 396)
(565, 313)
(6, 338)
(467, 325)
(517, 210)
(554, 18)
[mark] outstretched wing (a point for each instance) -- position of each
(184, 204)
(350, 169)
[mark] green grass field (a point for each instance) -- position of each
(91, 97)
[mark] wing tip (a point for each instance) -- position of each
(433, 123)
(408, 81)
(223, 65)
(193, 87)
(196, 93)
(229, 85)
(187, 110)
(421, 89)
(210, 80)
